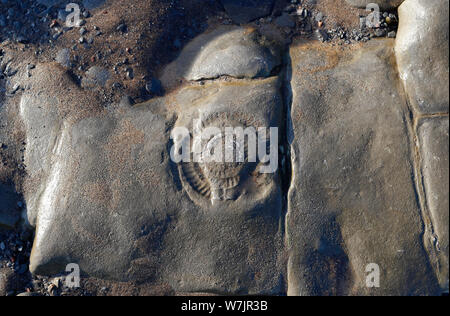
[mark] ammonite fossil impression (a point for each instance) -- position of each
(209, 182)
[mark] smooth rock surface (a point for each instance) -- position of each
(352, 201)
(52, 95)
(226, 51)
(244, 11)
(434, 143)
(384, 4)
(112, 201)
(422, 50)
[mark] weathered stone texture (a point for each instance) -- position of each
(384, 4)
(422, 50)
(352, 201)
(434, 144)
(226, 51)
(113, 202)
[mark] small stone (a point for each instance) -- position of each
(122, 28)
(81, 23)
(15, 88)
(392, 34)
(83, 31)
(380, 32)
(63, 57)
(319, 17)
(322, 35)
(130, 73)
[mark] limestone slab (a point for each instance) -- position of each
(226, 51)
(111, 199)
(352, 202)
(422, 52)
(434, 144)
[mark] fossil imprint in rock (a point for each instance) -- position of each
(222, 163)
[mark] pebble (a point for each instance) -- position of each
(392, 34)
(81, 23)
(122, 28)
(63, 57)
(380, 32)
(130, 73)
(15, 88)
(57, 35)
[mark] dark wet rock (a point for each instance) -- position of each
(434, 145)
(244, 11)
(422, 50)
(352, 201)
(227, 51)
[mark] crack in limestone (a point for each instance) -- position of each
(412, 119)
